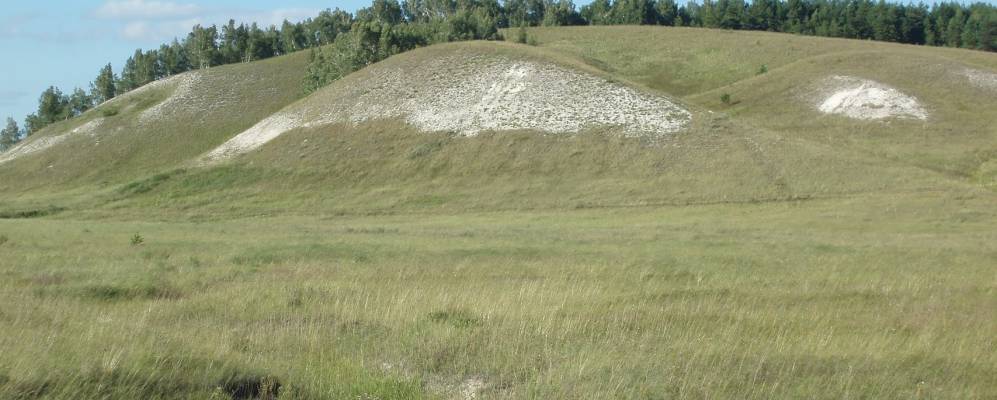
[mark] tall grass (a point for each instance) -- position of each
(785, 300)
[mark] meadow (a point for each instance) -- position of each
(768, 251)
(885, 296)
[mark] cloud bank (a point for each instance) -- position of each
(127, 9)
(160, 21)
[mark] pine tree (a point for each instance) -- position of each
(710, 14)
(202, 47)
(79, 102)
(953, 31)
(10, 135)
(597, 12)
(668, 12)
(759, 14)
(732, 14)
(53, 106)
(885, 24)
(103, 88)
(129, 78)
(914, 26)
(988, 34)
(292, 37)
(174, 58)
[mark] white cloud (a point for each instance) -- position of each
(162, 20)
(157, 31)
(275, 17)
(130, 9)
(164, 29)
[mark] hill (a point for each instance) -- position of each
(617, 212)
(156, 127)
(422, 149)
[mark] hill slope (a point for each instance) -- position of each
(575, 122)
(152, 128)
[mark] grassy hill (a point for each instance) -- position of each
(768, 143)
(763, 250)
(154, 128)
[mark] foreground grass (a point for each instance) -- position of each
(877, 296)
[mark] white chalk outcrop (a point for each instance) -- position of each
(469, 95)
(868, 100)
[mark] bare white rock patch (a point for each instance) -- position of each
(254, 137)
(89, 128)
(42, 143)
(31, 147)
(470, 95)
(471, 387)
(526, 95)
(183, 98)
(980, 79)
(868, 100)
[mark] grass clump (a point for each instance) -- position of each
(145, 291)
(456, 317)
(109, 111)
(255, 387)
(35, 213)
(725, 98)
(148, 184)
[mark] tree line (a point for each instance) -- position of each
(341, 42)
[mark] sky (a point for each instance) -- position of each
(65, 42)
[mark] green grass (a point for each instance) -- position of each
(767, 252)
(869, 297)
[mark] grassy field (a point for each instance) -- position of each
(766, 252)
(868, 297)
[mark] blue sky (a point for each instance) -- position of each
(65, 42)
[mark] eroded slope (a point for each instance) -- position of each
(472, 89)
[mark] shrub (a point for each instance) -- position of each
(137, 240)
(30, 213)
(4, 239)
(252, 387)
(764, 68)
(725, 98)
(521, 35)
